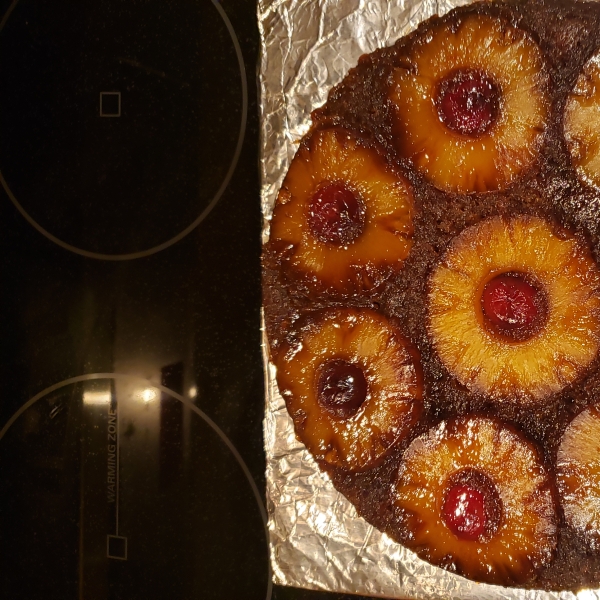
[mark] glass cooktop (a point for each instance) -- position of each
(131, 399)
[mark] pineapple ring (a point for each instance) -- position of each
(525, 537)
(336, 156)
(466, 163)
(394, 386)
(578, 474)
(582, 120)
(563, 346)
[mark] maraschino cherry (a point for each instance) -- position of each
(336, 214)
(468, 102)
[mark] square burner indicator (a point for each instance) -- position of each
(116, 547)
(110, 104)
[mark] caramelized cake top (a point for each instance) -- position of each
(432, 291)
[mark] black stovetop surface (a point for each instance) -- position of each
(131, 399)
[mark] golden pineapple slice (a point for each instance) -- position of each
(471, 105)
(474, 497)
(352, 384)
(578, 474)
(582, 122)
(345, 215)
(547, 347)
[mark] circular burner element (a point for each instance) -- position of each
(122, 123)
(112, 487)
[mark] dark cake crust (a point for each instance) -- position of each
(568, 34)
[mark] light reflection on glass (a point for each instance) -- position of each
(147, 395)
(96, 397)
(193, 392)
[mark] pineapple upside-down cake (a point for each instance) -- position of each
(432, 291)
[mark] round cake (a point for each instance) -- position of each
(431, 288)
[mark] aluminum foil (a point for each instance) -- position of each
(317, 540)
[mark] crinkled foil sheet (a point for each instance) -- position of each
(317, 540)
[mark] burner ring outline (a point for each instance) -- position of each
(203, 214)
(186, 402)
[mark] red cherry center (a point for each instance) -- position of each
(341, 388)
(336, 214)
(464, 512)
(511, 304)
(468, 102)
